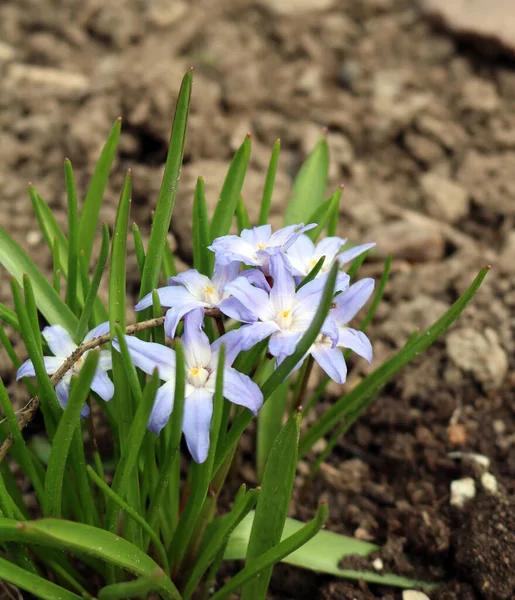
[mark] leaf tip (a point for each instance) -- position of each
(325, 131)
(119, 120)
(488, 267)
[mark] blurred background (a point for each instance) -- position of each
(418, 98)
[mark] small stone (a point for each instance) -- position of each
(462, 490)
(422, 148)
(363, 534)
(296, 7)
(480, 353)
(7, 52)
(479, 459)
(409, 240)
(499, 427)
(480, 95)
(378, 564)
(489, 483)
(444, 199)
(34, 237)
(414, 595)
(491, 22)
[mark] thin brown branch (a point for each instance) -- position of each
(32, 405)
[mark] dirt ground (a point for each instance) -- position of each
(421, 127)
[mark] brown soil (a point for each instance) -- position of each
(422, 132)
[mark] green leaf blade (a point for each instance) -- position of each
(168, 192)
(310, 184)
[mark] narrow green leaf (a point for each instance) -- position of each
(201, 258)
(313, 273)
(272, 506)
(378, 296)
(63, 437)
(332, 225)
(139, 588)
(322, 553)
(266, 201)
(158, 333)
(49, 404)
(139, 248)
(270, 421)
(73, 239)
(242, 216)
(356, 400)
(243, 504)
(92, 290)
(322, 214)
(9, 316)
(17, 263)
(25, 459)
(310, 184)
(129, 459)
(56, 268)
(171, 452)
(286, 367)
(50, 228)
(110, 494)
(166, 201)
(39, 587)
(83, 540)
(92, 202)
(201, 475)
(231, 190)
(32, 311)
(117, 306)
(276, 554)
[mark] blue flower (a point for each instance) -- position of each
(191, 290)
(201, 360)
(303, 255)
(255, 246)
(62, 345)
(283, 313)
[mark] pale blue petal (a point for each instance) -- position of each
(163, 407)
(254, 299)
(224, 273)
(52, 363)
(97, 331)
(330, 329)
(232, 247)
(171, 295)
(232, 340)
(348, 255)
(300, 255)
(234, 309)
(241, 390)
(148, 356)
(331, 360)
(198, 410)
(348, 303)
(59, 340)
(102, 385)
(197, 349)
(283, 343)
(175, 314)
(310, 294)
(105, 360)
(329, 247)
(257, 236)
(282, 294)
(257, 278)
(255, 333)
(356, 341)
(287, 236)
(193, 281)
(62, 390)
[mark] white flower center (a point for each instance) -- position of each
(198, 376)
(284, 318)
(210, 295)
(323, 339)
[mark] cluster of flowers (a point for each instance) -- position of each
(265, 297)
